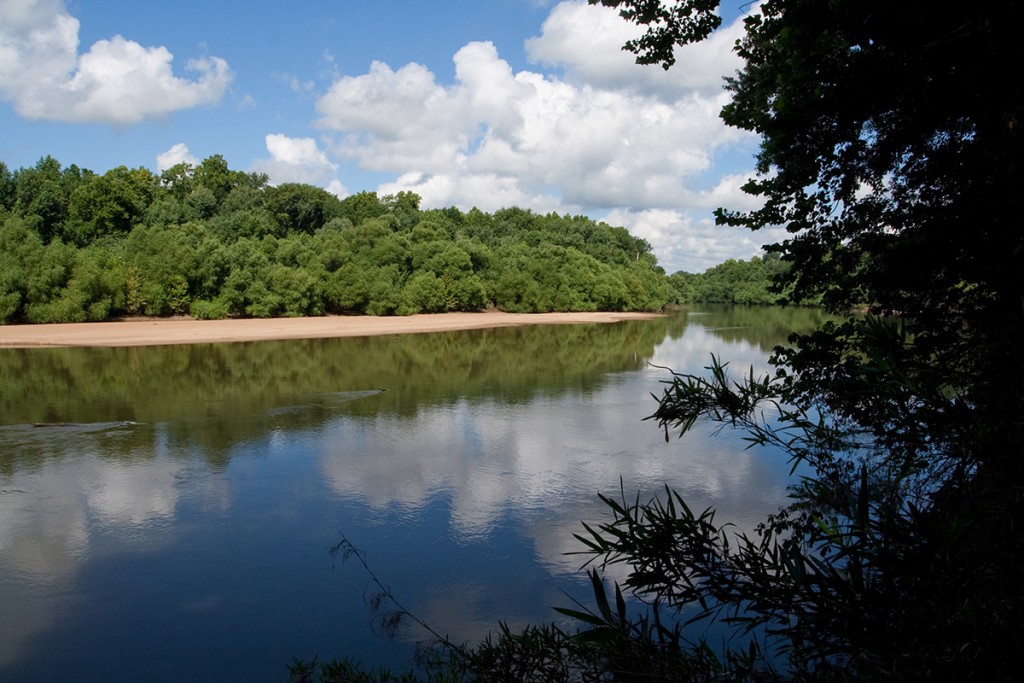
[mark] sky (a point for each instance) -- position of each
(528, 103)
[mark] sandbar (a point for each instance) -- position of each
(160, 331)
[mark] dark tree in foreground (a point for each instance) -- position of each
(891, 151)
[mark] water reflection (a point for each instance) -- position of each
(216, 395)
(203, 483)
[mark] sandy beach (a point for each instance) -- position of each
(152, 332)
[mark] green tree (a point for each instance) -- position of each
(362, 206)
(168, 266)
(214, 175)
(42, 195)
(299, 291)
(178, 180)
(302, 208)
(110, 204)
(98, 282)
(243, 213)
(8, 189)
(245, 290)
(404, 208)
(684, 287)
(20, 251)
(741, 282)
(46, 281)
(425, 292)
(172, 245)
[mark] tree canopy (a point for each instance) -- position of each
(210, 241)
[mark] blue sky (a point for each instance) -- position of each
(467, 103)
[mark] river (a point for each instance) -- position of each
(166, 513)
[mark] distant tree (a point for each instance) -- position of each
(20, 251)
(404, 207)
(362, 206)
(299, 292)
(757, 281)
(245, 213)
(220, 242)
(8, 189)
(214, 175)
(98, 283)
(684, 287)
(301, 208)
(178, 180)
(111, 204)
(42, 194)
(425, 292)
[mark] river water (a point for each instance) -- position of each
(166, 513)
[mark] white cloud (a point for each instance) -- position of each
(395, 120)
(683, 242)
(337, 188)
(598, 134)
(296, 160)
(587, 42)
(177, 154)
(117, 81)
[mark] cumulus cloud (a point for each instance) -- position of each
(594, 133)
(117, 81)
(337, 188)
(177, 154)
(587, 42)
(682, 241)
(600, 148)
(296, 160)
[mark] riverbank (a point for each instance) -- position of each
(154, 332)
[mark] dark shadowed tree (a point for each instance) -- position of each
(302, 208)
(110, 204)
(8, 191)
(891, 153)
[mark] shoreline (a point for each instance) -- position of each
(163, 331)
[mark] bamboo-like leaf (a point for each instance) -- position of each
(600, 596)
(585, 617)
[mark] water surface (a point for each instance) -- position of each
(166, 512)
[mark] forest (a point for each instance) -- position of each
(213, 242)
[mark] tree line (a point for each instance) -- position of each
(753, 282)
(211, 242)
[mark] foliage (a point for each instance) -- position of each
(213, 242)
(758, 281)
(617, 645)
(668, 24)
(884, 136)
(342, 671)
